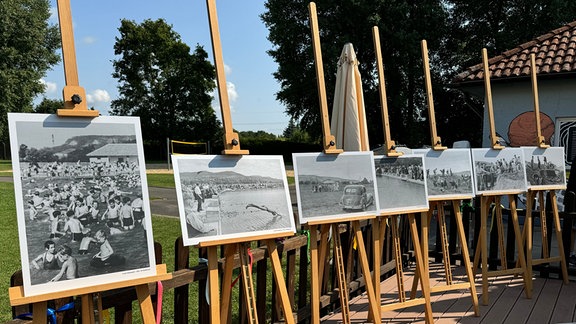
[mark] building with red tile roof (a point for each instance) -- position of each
(512, 93)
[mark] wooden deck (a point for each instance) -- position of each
(552, 302)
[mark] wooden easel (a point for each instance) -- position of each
(438, 205)
(39, 302)
(317, 262)
(530, 196)
(486, 201)
(232, 147)
(379, 228)
(75, 106)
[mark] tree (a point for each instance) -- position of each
(164, 84)
(455, 30)
(402, 25)
(49, 106)
(28, 45)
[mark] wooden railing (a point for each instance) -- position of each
(294, 255)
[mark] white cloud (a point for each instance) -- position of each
(232, 97)
(98, 96)
(89, 40)
(49, 87)
(53, 15)
(227, 70)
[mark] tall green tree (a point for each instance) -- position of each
(402, 25)
(28, 45)
(165, 84)
(49, 106)
(455, 30)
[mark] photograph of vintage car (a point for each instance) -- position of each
(355, 197)
(545, 168)
(333, 187)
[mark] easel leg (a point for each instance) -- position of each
(423, 275)
(146, 308)
(341, 275)
(279, 277)
(314, 280)
(213, 288)
(377, 255)
(484, 247)
(247, 283)
(373, 311)
(559, 236)
(520, 245)
(425, 218)
(87, 309)
(398, 258)
(230, 250)
(465, 255)
(41, 308)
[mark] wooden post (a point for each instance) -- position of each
(231, 139)
(436, 141)
(540, 140)
(494, 140)
(74, 95)
(390, 144)
(329, 140)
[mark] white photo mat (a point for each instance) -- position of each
(449, 173)
(330, 187)
(401, 184)
(232, 197)
(499, 171)
(60, 165)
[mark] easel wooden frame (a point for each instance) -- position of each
(75, 106)
(232, 147)
(438, 205)
(531, 195)
(379, 226)
(485, 202)
(317, 268)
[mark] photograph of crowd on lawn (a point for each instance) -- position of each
(81, 201)
(228, 197)
(448, 173)
(545, 168)
(499, 171)
(333, 186)
(401, 184)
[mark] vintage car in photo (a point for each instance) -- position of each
(355, 197)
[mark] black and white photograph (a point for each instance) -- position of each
(401, 184)
(232, 197)
(81, 201)
(448, 173)
(330, 187)
(545, 168)
(499, 171)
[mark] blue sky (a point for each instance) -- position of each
(249, 69)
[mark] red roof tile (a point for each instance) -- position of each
(554, 52)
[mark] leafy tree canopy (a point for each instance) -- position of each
(49, 106)
(165, 84)
(28, 45)
(455, 30)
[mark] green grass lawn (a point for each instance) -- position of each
(163, 180)
(165, 230)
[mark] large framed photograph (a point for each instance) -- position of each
(545, 168)
(401, 184)
(449, 173)
(332, 187)
(237, 198)
(81, 201)
(499, 171)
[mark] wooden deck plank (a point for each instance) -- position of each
(553, 302)
(565, 308)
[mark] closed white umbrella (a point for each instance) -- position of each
(348, 123)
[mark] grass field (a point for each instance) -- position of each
(165, 229)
